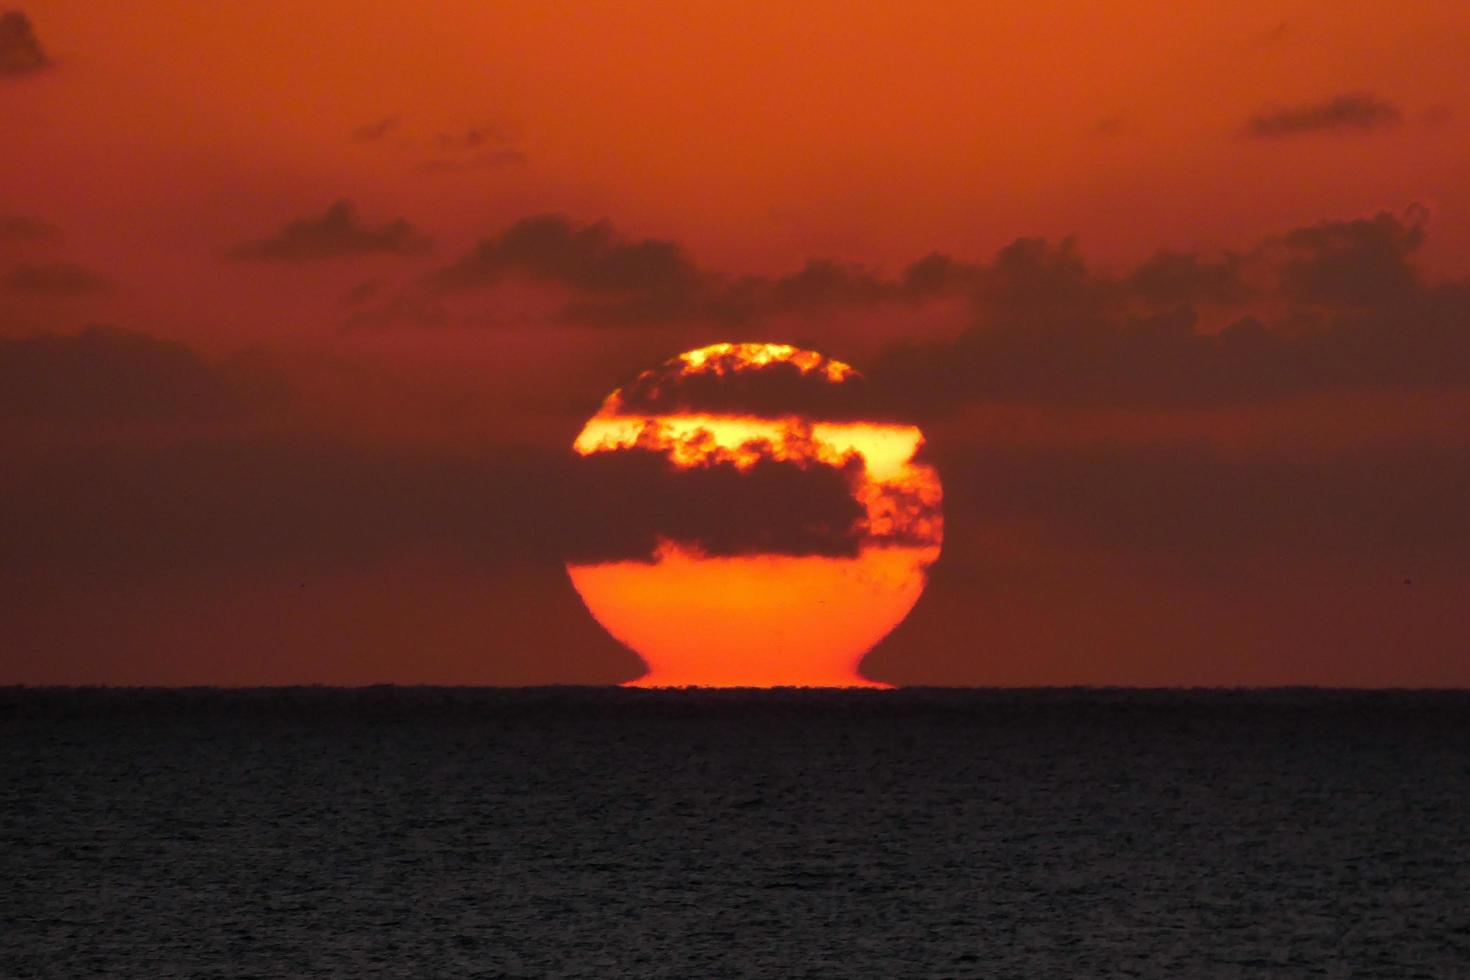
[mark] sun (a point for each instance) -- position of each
(748, 522)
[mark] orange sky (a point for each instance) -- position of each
(757, 134)
(166, 138)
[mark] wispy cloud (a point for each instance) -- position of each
(1353, 112)
(335, 233)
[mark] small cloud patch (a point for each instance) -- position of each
(1354, 112)
(20, 50)
(335, 233)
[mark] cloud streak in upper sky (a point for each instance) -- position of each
(593, 257)
(335, 233)
(630, 281)
(1352, 112)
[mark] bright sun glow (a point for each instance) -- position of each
(766, 619)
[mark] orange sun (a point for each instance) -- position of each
(760, 529)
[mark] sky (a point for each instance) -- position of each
(302, 305)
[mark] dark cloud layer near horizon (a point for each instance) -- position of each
(1393, 507)
(514, 504)
(102, 375)
(238, 502)
(335, 233)
(1351, 112)
(105, 484)
(241, 502)
(20, 50)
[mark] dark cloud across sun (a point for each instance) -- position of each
(637, 498)
(171, 461)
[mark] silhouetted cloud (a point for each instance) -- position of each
(1163, 361)
(1031, 277)
(1185, 279)
(232, 502)
(1358, 263)
(20, 49)
(1337, 305)
(229, 502)
(1351, 112)
(127, 451)
(335, 233)
(55, 279)
(622, 281)
(823, 282)
(591, 257)
(104, 374)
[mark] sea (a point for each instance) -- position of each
(609, 832)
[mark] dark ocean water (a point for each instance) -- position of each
(600, 833)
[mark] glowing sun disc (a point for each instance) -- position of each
(752, 618)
